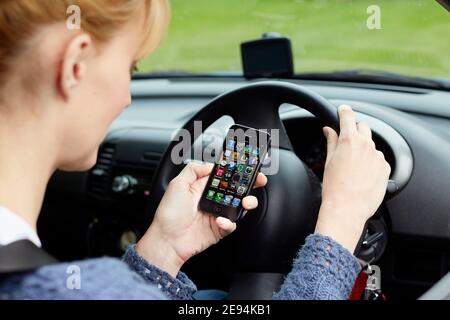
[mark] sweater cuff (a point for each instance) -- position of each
(323, 270)
(339, 266)
(179, 288)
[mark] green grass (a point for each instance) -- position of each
(327, 35)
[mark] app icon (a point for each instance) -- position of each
(228, 199)
(244, 181)
(228, 175)
(232, 166)
(219, 197)
(235, 156)
(252, 161)
(215, 183)
(241, 190)
(223, 185)
(240, 167)
(223, 163)
(210, 194)
(231, 144)
(249, 170)
(240, 146)
(236, 178)
(227, 153)
(219, 172)
(248, 149)
(232, 186)
(244, 158)
(236, 202)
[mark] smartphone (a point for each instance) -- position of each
(235, 171)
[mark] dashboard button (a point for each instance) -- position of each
(123, 183)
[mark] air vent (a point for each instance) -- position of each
(100, 175)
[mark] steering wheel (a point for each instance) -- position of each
(267, 239)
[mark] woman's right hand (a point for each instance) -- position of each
(355, 181)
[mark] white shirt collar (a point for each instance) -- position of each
(13, 228)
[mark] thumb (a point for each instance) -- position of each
(332, 140)
(225, 226)
(192, 172)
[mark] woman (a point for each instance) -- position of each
(60, 89)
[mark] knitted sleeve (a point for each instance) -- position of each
(179, 288)
(97, 279)
(323, 270)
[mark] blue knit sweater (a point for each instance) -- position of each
(323, 269)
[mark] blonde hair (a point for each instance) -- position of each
(19, 19)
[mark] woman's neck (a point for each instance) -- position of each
(26, 165)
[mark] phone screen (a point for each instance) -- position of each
(235, 173)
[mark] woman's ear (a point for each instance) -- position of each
(73, 65)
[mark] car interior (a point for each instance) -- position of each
(102, 211)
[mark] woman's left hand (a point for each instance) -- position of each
(180, 230)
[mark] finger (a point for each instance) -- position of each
(225, 226)
(199, 185)
(364, 129)
(332, 141)
(347, 119)
(192, 172)
(250, 202)
(261, 180)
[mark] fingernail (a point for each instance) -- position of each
(344, 107)
(325, 132)
(220, 222)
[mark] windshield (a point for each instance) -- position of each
(410, 37)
